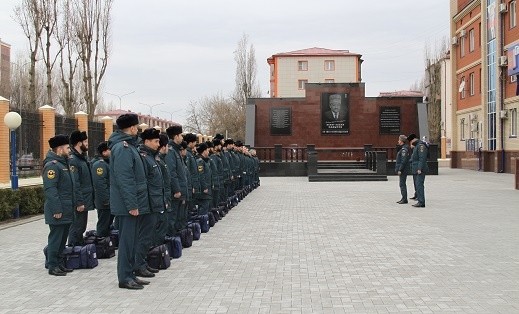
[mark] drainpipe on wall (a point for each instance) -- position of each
(502, 87)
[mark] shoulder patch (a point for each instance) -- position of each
(200, 168)
(99, 171)
(51, 174)
(54, 161)
(72, 169)
(125, 143)
(422, 148)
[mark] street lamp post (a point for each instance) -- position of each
(13, 120)
(120, 97)
(171, 113)
(151, 106)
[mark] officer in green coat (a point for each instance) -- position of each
(177, 216)
(101, 181)
(149, 150)
(162, 219)
(216, 171)
(203, 193)
(59, 201)
(84, 191)
(419, 168)
(128, 195)
(402, 167)
(192, 172)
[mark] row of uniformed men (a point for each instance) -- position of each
(150, 187)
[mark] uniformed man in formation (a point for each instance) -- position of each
(60, 205)
(145, 185)
(84, 191)
(419, 168)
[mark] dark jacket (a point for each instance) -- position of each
(59, 190)
(101, 180)
(419, 158)
(402, 160)
(84, 188)
(216, 171)
(177, 171)
(192, 169)
(204, 174)
(128, 189)
(154, 179)
(227, 173)
(167, 180)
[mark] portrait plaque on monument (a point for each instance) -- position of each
(335, 113)
(389, 120)
(280, 121)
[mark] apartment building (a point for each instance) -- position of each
(485, 45)
(291, 71)
(5, 70)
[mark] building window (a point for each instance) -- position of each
(301, 84)
(471, 40)
(513, 122)
(462, 88)
(462, 46)
(329, 81)
(302, 65)
(329, 65)
(513, 16)
(513, 78)
(472, 84)
(462, 129)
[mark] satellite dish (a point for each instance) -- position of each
(462, 86)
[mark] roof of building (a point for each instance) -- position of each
(118, 112)
(316, 51)
(402, 93)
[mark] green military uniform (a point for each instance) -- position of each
(148, 218)
(419, 162)
(177, 217)
(205, 183)
(84, 195)
(216, 177)
(128, 191)
(162, 219)
(191, 165)
(403, 166)
(101, 181)
(59, 198)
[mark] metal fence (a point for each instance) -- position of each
(65, 125)
(96, 135)
(28, 139)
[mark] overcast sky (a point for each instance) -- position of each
(174, 52)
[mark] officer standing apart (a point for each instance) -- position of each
(402, 167)
(84, 188)
(410, 139)
(59, 201)
(419, 168)
(128, 195)
(101, 180)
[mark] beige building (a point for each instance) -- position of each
(5, 70)
(290, 71)
(151, 121)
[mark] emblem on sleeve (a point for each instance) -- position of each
(200, 168)
(51, 174)
(421, 149)
(99, 171)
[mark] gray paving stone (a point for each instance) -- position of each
(297, 247)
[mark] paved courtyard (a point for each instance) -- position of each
(297, 247)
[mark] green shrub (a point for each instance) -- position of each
(29, 199)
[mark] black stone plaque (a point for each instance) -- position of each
(280, 121)
(389, 120)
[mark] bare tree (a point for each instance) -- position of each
(92, 28)
(69, 60)
(433, 87)
(28, 15)
(49, 19)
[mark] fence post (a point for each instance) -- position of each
(312, 162)
(82, 120)
(109, 126)
(4, 149)
(48, 130)
(278, 153)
